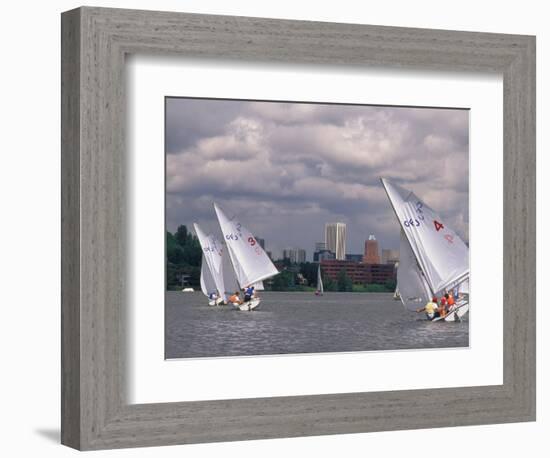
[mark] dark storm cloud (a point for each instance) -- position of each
(185, 122)
(286, 169)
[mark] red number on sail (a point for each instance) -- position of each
(438, 225)
(251, 241)
(449, 238)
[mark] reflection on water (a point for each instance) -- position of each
(301, 323)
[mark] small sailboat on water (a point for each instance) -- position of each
(320, 290)
(212, 277)
(396, 295)
(251, 265)
(433, 260)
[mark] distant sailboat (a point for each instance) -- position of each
(250, 262)
(433, 259)
(212, 279)
(320, 290)
(396, 295)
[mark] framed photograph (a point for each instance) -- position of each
(277, 228)
(323, 268)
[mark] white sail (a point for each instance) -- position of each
(442, 256)
(250, 261)
(414, 291)
(259, 286)
(231, 285)
(320, 288)
(211, 268)
(208, 285)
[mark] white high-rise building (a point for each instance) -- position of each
(335, 239)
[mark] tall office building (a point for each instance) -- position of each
(335, 239)
(320, 246)
(323, 255)
(287, 254)
(372, 255)
(295, 255)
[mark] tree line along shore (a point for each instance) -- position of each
(183, 267)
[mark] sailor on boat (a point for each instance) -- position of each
(442, 310)
(430, 308)
(214, 298)
(450, 302)
(235, 299)
(248, 293)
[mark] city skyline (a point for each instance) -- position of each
(286, 169)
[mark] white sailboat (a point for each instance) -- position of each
(433, 259)
(250, 262)
(320, 290)
(212, 279)
(396, 295)
(228, 273)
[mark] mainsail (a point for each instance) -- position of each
(229, 278)
(414, 291)
(249, 260)
(208, 285)
(442, 257)
(211, 267)
(320, 288)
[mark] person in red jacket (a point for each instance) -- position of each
(450, 302)
(442, 307)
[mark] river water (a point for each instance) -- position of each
(301, 323)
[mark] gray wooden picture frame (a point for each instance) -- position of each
(95, 412)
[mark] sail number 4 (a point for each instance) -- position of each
(438, 225)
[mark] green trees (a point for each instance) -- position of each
(183, 262)
(183, 258)
(344, 282)
(283, 281)
(309, 271)
(329, 284)
(390, 285)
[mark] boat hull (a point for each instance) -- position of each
(249, 306)
(455, 315)
(217, 302)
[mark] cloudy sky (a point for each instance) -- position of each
(285, 169)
